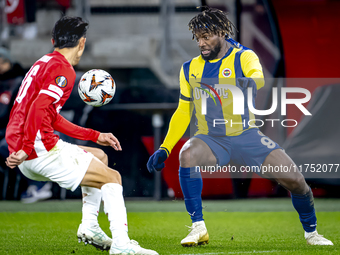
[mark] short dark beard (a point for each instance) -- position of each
(213, 52)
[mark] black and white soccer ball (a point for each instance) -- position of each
(96, 87)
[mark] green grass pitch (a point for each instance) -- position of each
(257, 226)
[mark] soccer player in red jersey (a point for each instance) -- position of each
(42, 156)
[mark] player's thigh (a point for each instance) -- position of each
(65, 164)
(254, 149)
(99, 174)
(98, 153)
(196, 152)
(279, 165)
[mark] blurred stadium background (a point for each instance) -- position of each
(143, 43)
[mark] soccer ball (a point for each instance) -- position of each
(96, 87)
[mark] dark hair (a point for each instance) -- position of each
(211, 20)
(67, 31)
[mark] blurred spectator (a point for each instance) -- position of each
(36, 191)
(21, 17)
(30, 29)
(8, 68)
(11, 75)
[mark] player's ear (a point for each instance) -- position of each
(52, 41)
(82, 43)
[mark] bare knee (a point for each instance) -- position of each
(195, 152)
(99, 174)
(190, 157)
(292, 181)
(184, 157)
(102, 156)
(113, 176)
(105, 159)
(296, 185)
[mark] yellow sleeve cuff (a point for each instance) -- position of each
(178, 125)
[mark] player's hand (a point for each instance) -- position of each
(108, 139)
(16, 158)
(156, 161)
(243, 82)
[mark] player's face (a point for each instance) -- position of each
(4, 66)
(209, 44)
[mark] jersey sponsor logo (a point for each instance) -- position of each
(61, 81)
(226, 72)
(213, 90)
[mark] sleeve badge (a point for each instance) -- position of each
(61, 81)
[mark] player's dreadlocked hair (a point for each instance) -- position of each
(211, 20)
(67, 32)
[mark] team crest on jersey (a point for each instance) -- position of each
(226, 72)
(61, 81)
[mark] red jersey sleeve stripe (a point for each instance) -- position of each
(51, 94)
(56, 89)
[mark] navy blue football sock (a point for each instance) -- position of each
(192, 184)
(304, 205)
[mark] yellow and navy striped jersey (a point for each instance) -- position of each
(200, 79)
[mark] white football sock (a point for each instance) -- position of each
(114, 207)
(307, 234)
(91, 204)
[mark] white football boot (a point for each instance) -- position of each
(95, 236)
(198, 235)
(132, 247)
(313, 238)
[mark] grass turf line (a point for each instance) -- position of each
(252, 232)
(233, 205)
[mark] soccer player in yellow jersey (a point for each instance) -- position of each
(222, 135)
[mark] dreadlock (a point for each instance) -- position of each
(211, 20)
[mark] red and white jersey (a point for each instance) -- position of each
(35, 113)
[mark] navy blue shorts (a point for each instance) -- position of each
(249, 149)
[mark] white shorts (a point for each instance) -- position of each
(65, 164)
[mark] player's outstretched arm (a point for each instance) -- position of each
(178, 125)
(16, 158)
(66, 127)
(108, 139)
